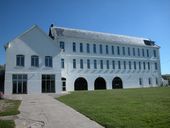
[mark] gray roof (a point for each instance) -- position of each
(99, 36)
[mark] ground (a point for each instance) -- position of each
(124, 108)
(8, 108)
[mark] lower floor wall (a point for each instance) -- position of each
(36, 83)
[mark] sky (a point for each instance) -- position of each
(140, 18)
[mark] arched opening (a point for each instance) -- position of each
(99, 83)
(80, 84)
(117, 83)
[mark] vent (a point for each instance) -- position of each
(149, 42)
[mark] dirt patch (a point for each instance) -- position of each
(4, 105)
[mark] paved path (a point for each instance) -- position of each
(43, 111)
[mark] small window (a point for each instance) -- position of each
(156, 81)
(135, 65)
(147, 51)
(156, 66)
(81, 47)
(143, 53)
(123, 49)
(95, 64)
(119, 65)
(107, 64)
(113, 64)
(107, 50)
(148, 66)
(150, 81)
(34, 61)
(144, 67)
(124, 64)
(74, 47)
(62, 63)
(48, 61)
(62, 45)
(101, 49)
(118, 50)
(94, 48)
(140, 81)
(154, 53)
(130, 66)
(20, 60)
(74, 63)
(81, 63)
(138, 52)
(88, 48)
(113, 52)
(101, 64)
(88, 64)
(134, 54)
(129, 51)
(139, 65)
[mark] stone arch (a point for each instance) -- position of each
(80, 84)
(117, 83)
(100, 83)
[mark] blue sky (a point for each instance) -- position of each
(141, 18)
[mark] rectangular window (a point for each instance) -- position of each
(113, 64)
(124, 64)
(134, 54)
(129, 51)
(19, 83)
(101, 49)
(34, 61)
(94, 48)
(81, 47)
(88, 64)
(119, 65)
(74, 47)
(138, 52)
(48, 61)
(135, 65)
(139, 65)
(62, 45)
(107, 50)
(88, 48)
(144, 67)
(20, 60)
(130, 67)
(156, 66)
(143, 53)
(74, 63)
(101, 64)
(81, 63)
(123, 49)
(147, 51)
(107, 64)
(149, 81)
(154, 53)
(48, 83)
(156, 81)
(118, 50)
(95, 64)
(140, 81)
(62, 63)
(148, 66)
(113, 52)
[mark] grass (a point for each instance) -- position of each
(7, 108)
(126, 108)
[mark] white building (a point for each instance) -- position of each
(72, 59)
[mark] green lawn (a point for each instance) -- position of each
(7, 108)
(124, 108)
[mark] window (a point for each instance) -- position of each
(48, 83)
(88, 48)
(135, 65)
(113, 64)
(144, 66)
(119, 65)
(156, 81)
(139, 65)
(81, 63)
(148, 66)
(20, 60)
(118, 50)
(81, 47)
(129, 51)
(138, 52)
(143, 53)
(88, 64)
(34, 61)
(113, 52)
(62, 63)
(94, 48)
(107, 50)
(130, 65)
(154, 53)
(150, 81)
(123, 49)
(147, 51)
(101, 49)
(48, 61)
(107, 64)
(74, 47)
(74, 63)
(19, 83)
(95, 64)
(156, 66)
(140, 81)
(134, 54)
(124, 64)
(101, 64)
(62, 46)
(63, 83)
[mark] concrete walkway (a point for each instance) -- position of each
(43, 111)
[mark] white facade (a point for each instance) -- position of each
(79, 57)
